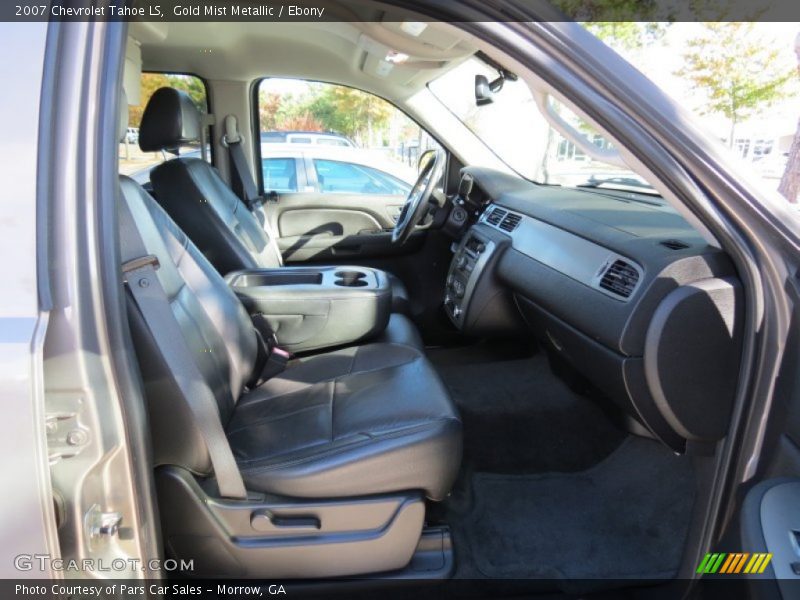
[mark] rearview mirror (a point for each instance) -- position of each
(483, 91)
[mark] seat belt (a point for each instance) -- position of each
(151, 299)
(232, 140)
(243, 178)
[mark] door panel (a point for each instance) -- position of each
(769, 521)
(770, 525)
(324, 247)
(303, 221)
(315, 226)
(345, 214)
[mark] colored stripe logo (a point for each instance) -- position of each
(734, 563)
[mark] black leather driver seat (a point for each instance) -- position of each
(199, 200)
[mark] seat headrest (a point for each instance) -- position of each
(170, 120)
(122, 120)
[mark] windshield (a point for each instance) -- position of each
(514, 129)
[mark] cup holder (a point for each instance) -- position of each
(350, 278)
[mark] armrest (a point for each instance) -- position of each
(310, 308)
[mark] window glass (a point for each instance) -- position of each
(133, 161)
(341, 177)
(358, 143)
(513, 127)
(280, 174)
(739, 79)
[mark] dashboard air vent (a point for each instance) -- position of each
(674, 244)
(496, 216)
(620, 278)
(510, 222)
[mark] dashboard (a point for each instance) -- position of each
(617, 284)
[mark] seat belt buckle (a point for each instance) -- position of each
(275, 364)
(282, 354)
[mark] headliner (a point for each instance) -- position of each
(349, 53)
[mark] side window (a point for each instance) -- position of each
(357, 143)
(279, 174)
(133, 161)
(348, 178)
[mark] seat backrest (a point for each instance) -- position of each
(194, 194)
(213, 321)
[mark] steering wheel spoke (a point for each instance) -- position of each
(416, 205)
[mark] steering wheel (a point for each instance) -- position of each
(416, 205)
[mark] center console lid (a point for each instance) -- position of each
(310, 308)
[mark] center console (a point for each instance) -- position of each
(473, 299)
(309, 308)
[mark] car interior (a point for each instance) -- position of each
(501, 380)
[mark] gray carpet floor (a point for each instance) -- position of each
(520, 418)
(551, 489)
(627, 517)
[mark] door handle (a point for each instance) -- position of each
(346, 250)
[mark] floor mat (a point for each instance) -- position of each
(520, 418)
(625, 518)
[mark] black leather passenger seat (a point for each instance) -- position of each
(336, 452)
(356, 421)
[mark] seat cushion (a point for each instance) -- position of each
(362, 420)
(400, 330)
(400, 299)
